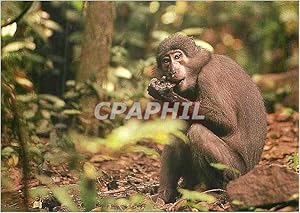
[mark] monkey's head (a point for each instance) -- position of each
(180, 60)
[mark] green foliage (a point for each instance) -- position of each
(196, 196)
(55, 102)
(222, 167)
(268, 29)
(60, 192)
(294, 160)
(88, 193)
(126, 136)
(287, 112)
(38, 192)
(195, 199)
(133, 203)
(10, 156)
(134, 130)
(90, 198)
(20, 40)
(64, 198)
(143, 149)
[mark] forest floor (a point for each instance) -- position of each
(137, 173)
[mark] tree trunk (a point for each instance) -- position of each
(96, 41)
(95, 54)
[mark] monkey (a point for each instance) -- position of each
(234, 129)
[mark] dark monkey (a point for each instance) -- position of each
(234, 129)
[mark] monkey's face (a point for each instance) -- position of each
(175, 66)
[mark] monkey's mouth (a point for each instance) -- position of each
(179, 82)
(176, 81)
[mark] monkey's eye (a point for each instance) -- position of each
(177, 55)
(166, 60)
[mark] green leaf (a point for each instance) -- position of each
(71, 83)
(29, 114)
(64, 198)
(160, 35)
(72, 112)
(192, 31)
(287, 112)
(198, 206)
(146, 150)
(294, 159)
(204, 45)
(42, 191)
(122, 72)
(58, 103)
(53, 25)
(132, 132)
(136, 199)
(196, 196)
(149, 207)
(18, 45)
(39, 191)
(122, 202)
(24, 82)
(135, 38)
(27, 98)
(222, 167)
(183, 137)
(77, 4)
(34, 151)
(88, 193)
(90, 171)
(7, 151)
(237, 203)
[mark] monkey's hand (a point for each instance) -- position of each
(161, 90)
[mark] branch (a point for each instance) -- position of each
(20, 16)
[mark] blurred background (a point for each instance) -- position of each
(59, 59)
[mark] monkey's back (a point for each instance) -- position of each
(240, 100)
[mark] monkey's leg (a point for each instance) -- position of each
(208, 148)
(174, 163)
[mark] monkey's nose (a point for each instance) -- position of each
(173, 72)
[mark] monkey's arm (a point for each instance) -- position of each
(216, 120)
(163, 91)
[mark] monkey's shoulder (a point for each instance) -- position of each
(224, 76)
(225, 63)
(222, 68)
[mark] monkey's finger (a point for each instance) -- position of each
(154, 81)
(152, 91)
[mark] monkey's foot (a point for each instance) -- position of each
(168, 195)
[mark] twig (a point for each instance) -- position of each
(23, 138)
(117, 190)
(214, 190)
(176, 203)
